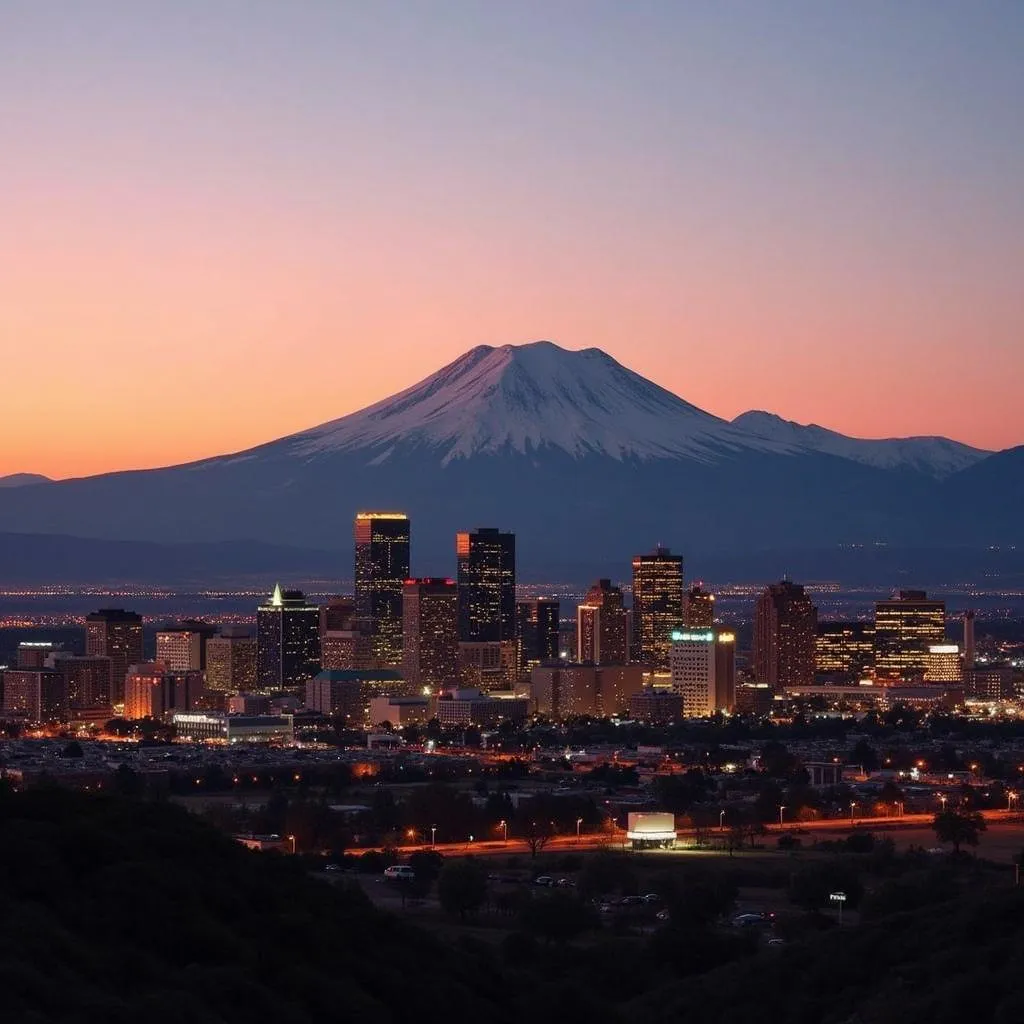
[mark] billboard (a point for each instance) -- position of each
(652, 825)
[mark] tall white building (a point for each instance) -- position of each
(180, 650)
(692, 660)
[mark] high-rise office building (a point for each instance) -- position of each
(115, 634)
(487, 585)
(942, 664)
(34, 696)
(182, 648)
(785, 627)
(725, 670)
(568, 690)
(87, 682)
(33, 653)
(703, 664)
(905, 628)
(231, 661)
(845, 648)
(602, 626)
(287, 640)
(337, 615)
(698, 609)
(381, 569)
(430, 633)
(537, 627)
(657, 605)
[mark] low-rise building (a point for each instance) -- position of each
(200, 727)
(471, 707)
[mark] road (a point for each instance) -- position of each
(906, 829)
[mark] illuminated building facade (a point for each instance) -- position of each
(183, 648)
(905, 628)
(430, 633)
(569, 690)
(942, 664)
(488, 666)
(231, 661)
(657, 605)
(154, 690)
(381, 569)
(347, 694)
(602, 626)
(87, 682)
(33, 653)
(694, 671)
(846, 648)
(287, 640)
(35, 696)
(487, 586)
(725, 670)
(785, 628)
(698, 609)
(347, 649)
(115, 634)
(991, 682)
(537, 628)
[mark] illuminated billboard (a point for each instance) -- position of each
(655, 826)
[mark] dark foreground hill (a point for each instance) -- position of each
(120, 912)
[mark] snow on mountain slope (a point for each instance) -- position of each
(528, 397)
(937, 456)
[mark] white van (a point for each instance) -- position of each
(399, 873)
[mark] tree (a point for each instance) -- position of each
(558, 917)
(73, 749)
(536, 836)
(462, 887)
(957, 827)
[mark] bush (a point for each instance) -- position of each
(519, 948)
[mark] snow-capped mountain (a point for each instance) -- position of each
(585, 460)
(524, 398)
(936, 456)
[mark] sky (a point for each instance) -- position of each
(224, 221)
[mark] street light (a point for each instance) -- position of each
(1011, 798)
(292, 840)
(579, 823)
(853, 804)
(504, 830)
(433, 836)
(721, 820)
(782, 807)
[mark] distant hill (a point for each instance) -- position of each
(23, 479)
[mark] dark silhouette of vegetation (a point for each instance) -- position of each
(462, 887)
(958, 827)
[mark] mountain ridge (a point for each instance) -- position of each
(568, 449)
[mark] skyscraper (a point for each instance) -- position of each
(430, 633)
(846, 648)
(699, 608)
(182, 648)
(231, 661)
(602, 626)
(115, 634)
(487, 586)
(905, 628)
(785, 626)
(968, 640)
(657, 605)
(287, 640)
(381, 569)
(537, 632)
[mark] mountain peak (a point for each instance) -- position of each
(525, 398)
(23, 479)
(936, 456)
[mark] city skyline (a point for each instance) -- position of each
(789, 210)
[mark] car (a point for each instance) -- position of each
(652, 897)
(332, 867)
(565, 883)
(776, 942)
(662, 915)
(544, 880)
(399, 873)
(631, 901)
(747, 920)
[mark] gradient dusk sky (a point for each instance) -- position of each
(227, 220)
